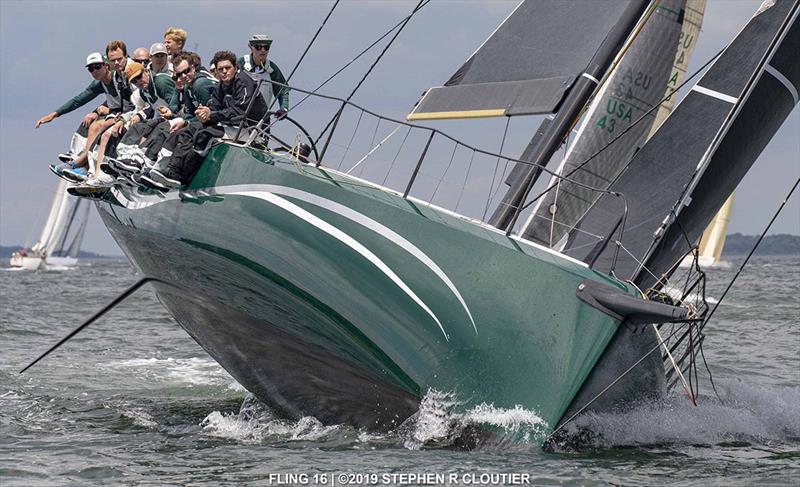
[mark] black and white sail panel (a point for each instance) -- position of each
(528, 64)
(607, 137)
(663, 170)
(771, 101)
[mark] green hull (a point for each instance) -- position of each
(375, 298)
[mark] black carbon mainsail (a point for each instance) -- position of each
(717, 131)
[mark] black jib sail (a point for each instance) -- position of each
(529, 63)
(713, 137)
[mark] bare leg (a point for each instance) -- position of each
(96, 128)
(101, 150)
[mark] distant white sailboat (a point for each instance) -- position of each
(61, 237)
(709, 251)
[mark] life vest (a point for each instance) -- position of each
(113, 98)
(257, 72)
(151, 95)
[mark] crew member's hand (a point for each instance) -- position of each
(203, 113)
(165, 112)
(46, 119)
(117, 128)
(89, 118)
(176, 124)
(280, 113)
(134, 120)
(103, 110)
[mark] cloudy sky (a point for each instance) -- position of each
(43, 46)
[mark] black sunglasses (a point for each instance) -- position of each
(94, 67)
(143, 62)
(177, 75)
(260, 47)
(135, 79)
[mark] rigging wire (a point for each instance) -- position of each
(302, 56)
(621, 134)
(752, 251)
(492, 194)
(356, 58)
(402, 25)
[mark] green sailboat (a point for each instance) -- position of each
(329, 295)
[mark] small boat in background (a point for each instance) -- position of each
(61, 237)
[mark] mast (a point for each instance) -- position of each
(506, 214)
(616, 124)
(75, 246)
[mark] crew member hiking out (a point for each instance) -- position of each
(226, 107)
(102, 83)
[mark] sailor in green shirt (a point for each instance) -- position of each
(198, 85)
(158, 90)
(257, 65)
(102, 83)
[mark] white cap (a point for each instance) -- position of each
(158, 48)
(94, 58)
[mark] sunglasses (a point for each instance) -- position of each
(176, 76)
(136, 79)
(143, 62)
(260, 47)
(94, 67)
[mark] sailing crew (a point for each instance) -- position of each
(198, 84)
(159, 59)
(142, 56)
(226, 107)
(143, 144)
(102, 83)
(158, 90)
(258, 66)
(116, 108)
(121, 117)
(174, 42)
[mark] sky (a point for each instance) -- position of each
(43, 46)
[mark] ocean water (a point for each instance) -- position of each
(133, 400)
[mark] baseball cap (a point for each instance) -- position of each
(133, 70)
(94, 58)
(158, 48)
(260, 40)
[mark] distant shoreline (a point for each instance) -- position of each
(736, 244)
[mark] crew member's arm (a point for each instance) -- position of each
(167, 89)
(281, 93)
(79, 100)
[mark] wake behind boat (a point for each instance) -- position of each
(349, 298)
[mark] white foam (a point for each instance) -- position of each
(193, 371)
(748, 413)
(140, 418)
(437, 422)
(255, 423)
